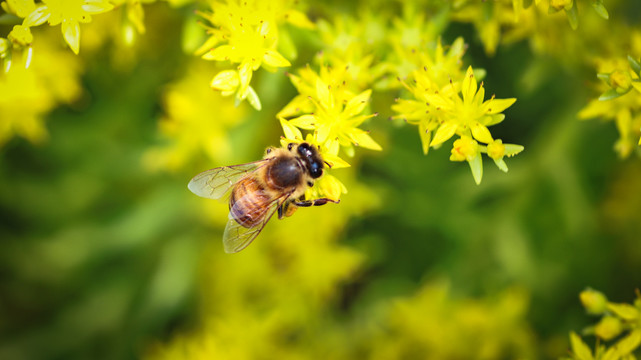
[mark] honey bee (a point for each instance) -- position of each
(277, 183)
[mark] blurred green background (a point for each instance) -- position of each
(103, 258)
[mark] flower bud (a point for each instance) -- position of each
(620, 81)
(593, 301)
(21, 35)
(464, 148)
(496, 149)
(608, 328)
(561, 4)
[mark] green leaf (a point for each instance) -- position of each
(501, 164)
(573, 16)
(635, 65)
(610, 94)
(600, 9)
(604, 77)
(476, 165)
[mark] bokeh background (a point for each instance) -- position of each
(105, 254)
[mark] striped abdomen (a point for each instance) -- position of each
(249, 202)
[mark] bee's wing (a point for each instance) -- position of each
(214, 183)
(238, 237)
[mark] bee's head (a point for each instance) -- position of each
(309, 154)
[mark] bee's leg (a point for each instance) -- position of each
(282, 209)
(315, 202)
(286, 209)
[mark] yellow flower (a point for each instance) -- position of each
(469, 111)
(441, 112)
(332, 113)
(247, 33)
(68, 13)
(621, 81)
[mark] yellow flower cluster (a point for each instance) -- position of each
(66, 13)
(440, 113)
(249, 33)
(617, 318)
(509, 20)
(430, 324)
(332, 115)
(620, 100)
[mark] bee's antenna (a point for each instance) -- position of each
(328, 164)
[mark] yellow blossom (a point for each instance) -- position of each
(620, 80)
(247, 34)
(331, 111)
(442, 113)
(68, 13)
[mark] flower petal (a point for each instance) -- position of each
(226, 80)
(37, 17)
(468, 87)
(97, 6)
(496, 106)
(361, 138)
(307, 122)
(322, 132)
(357, 104)
(291, 132)
(324, 95)
(275, 59)
(444, 132)
(221, 53)
(481, 133)
(71, 32)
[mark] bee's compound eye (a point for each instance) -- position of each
(316, 170)
(290, 146)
